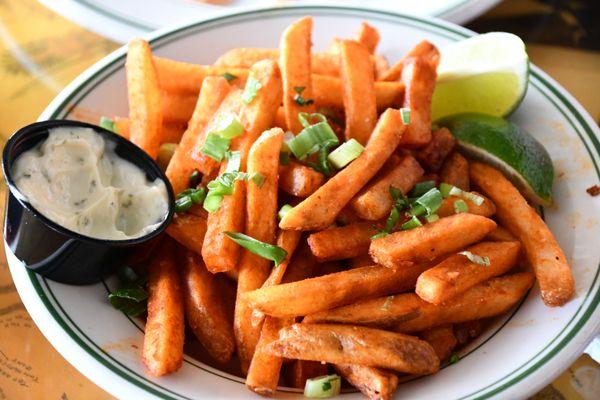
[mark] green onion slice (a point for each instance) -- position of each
(460, 206)
(253, 85)
(304, 118)
(432, 218)
(475, 259)
(411, 224)
(131, 301)
(183, 204)
(323, 387)
(313, 137)
(450, 190)
(198, 195)
(194, 179)
(220, 187)
(301, 101)
(165, 153)
(421, 188)
(215, 147)
(445, 189)
(109, 124)
(228, 126)
(430, 201)
(322, 165)
(346, 153)
(262, 249)
(405, 115)
(229, 77)
(454, 358)
(284, 158)
(284, 210)
(234, 161)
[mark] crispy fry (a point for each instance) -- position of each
(342, 344)
(374, 201)
(300, 370)
(189, 230)
(171, 132)
(422, 49)
(287, 240)
(501, 234)
(295, 62)
(303, 265)
(338, 243)
(485, 209)
(381, 65)
(347, 215)
(122, 126)
(205, 311)
(359, 90)
(307, 296)
(261, 215)
(368, 36)
(163, 338)
(319, 210)
(442, 339)
(299, 180)
(467, 331)
(456, 274)
(543, 252)
(214, 90)
(177, 107)
(375, 383)
(433, 155)
(280, 119)
(430, 241)
(145, 112)
(455, 171)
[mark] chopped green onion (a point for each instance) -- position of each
(198, 195)
(454, 358)
(411, 224)
(379, 235)
(304, 118)
(108, 124)
(399, 198)
(183, 204)
(405, 115)
(284, 158)
(258, 179)
(301, 101)
(194, 178)
(323, 387)
(345, 154)
(234, 161)
(400, 202)
(262, 249)
(449, 190)
(445, 189)
(392, 220)
(322, 165)
(478, 200)
(460, 206)
(421, 188)
(229, 77)
(475, 259)
(165, 153)
(253, 85)
(430, 201)
(215, 147)
(284, 210)
(313, 137)
(432, 218)
(220, 187)
(228, 126)
(131, 301)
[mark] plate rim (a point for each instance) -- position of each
(577, 337)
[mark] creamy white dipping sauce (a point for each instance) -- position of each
(76, 179)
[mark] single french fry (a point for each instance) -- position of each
(214, 90)
(381, 65)
(143, 93)
(280, 121)
(319, 210)
(356, 70)
(368, 36)
(430, 241)
(465, 332)
(339, 243)
(177, 107)
(261, 217)
(433, 155)
(306, 296)
(171, 132)
(442, 339)
(374, 201)
(375, 383)
(122, 125)
(287, 240)
(295, 64)
(189, 230)
(485, 209)
(300, 370)
(303, 265)
(299, 180)
(456, 274)
(204, 309)
(422, 49)
(500, 234)
(455, 171)
(347, 215)
(367, 346)
(162, 352)
(543, 252)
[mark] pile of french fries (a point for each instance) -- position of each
(374, 310)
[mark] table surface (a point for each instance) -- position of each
(39, 57)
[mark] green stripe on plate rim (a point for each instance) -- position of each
(539, 82)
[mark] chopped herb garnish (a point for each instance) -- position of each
(131, 297)
(301, 101)
(346, 153)
(475, 259)
(284, 158)
(460, 206)
(313, 137)
(405, 115)
(253, 85)
(411, 224)
(222, 186)
(454, 358)
(183, 204)
(323, 386)
(108, 124)
(229, 77)
(283, 211)
(215, 147)
(194, 178)
(234, 161)
(322, 165)
(262, 249)
(421, 188)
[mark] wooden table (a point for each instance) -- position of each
(40, 52)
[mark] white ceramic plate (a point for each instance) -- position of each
(121, 20)
(513, 359)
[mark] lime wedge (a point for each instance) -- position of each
(512, 150)
(485, 74)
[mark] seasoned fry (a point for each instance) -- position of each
(299, 180)
(374, 201)
(280, 119)
(177, 107)
(430, 241)
(433, 155)
(342, 344)
(368, 36)
(122, 126)
(501, 234)
(303, 265)
(485, 209)
(162, 352)
(189, 230)
(319, 210)
(327, 92)
(287, 240)
(261, 215)
(467, 331)
(295, 64)
(145, 103)
(455, 171)
(343, 242)
(422, 49)
(307, 296)
(214, 90)
(204, 309)
(442, 339)
(301, 370)
(375, 383)
(456, 274)
(357, 75)
(543, 252)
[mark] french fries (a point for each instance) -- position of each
(368, 36)
(433, 155)
(303, 265)
(442, 339)
(375, 383)
(455, 171)
(320, 209)
(485, 209)
(374, 201)
(430, 241)
(423, 49)
(299, 180)
(457, 273)
(301, 370)
(543, 252)
(307, 296)
(356, 70)
(177, 107)
(501, 234)
(327, 92)
(295, 64)
(287, 240)
(162, 352)
(341, 344)
(145, 102)
(205, 310)
(343, 242)
(189, 230)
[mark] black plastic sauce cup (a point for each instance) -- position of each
(52, 250)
